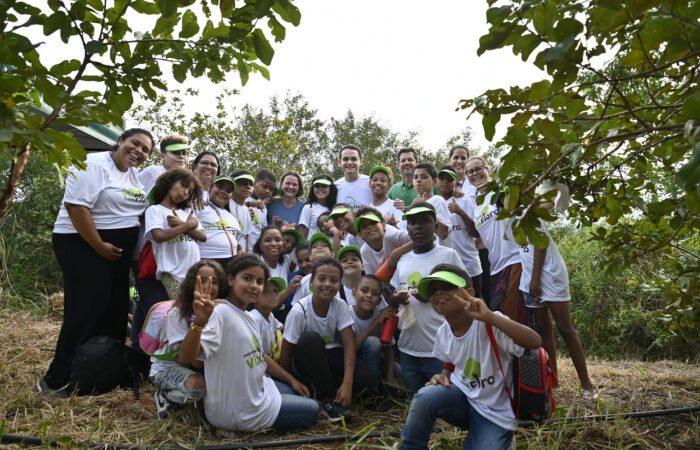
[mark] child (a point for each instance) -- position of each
(263, 187)
(324, 223)
(175, 382)
(268, 325)
(350, 259)
(380, 239)
(269, 247)
(417, 339)
(424, 178)
(219, 224)
(368, 315)
(240, 396)
(291, 237)
(463, 228)
(323, 195)
(304, 257)
(319, 246)
(469, 392)
(380, 182)
(244, 187)
(173, 228)
(319, 341)
(342, 231)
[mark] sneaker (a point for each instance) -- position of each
(335, 412)
(43, 388)
(162, 404)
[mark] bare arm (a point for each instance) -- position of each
(442, 230)
(286, 355)
(537, 264)
(344, 394)
(82, 222)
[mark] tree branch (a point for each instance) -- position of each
(19, 163)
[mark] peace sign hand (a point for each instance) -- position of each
(203, 305)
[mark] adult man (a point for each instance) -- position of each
(353, 188)
(403, 191)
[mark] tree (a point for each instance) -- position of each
(624, 135)
(109, 62)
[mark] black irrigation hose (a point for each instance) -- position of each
(32, 440)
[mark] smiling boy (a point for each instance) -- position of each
(353, 188)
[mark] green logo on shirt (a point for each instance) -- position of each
(472, 369)
(254, 358)
(134, 194)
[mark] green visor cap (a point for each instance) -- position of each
(219, 179)
(339, 211)
(382, 169)
(369, 216)
(245, 176)
(418, 210)
(177, 147)
(348, 248)
(281, 284)
(448, 172)
(323, 182)
(294, 232)
(448, 277)
(319, 236)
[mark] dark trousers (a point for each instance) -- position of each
(95, 295)
(485, 275)
(325, 367)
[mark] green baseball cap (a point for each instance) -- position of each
(296, 233)
(382, 169)
(245, 176)
(323, 181)
(448, 277)
(368, 216)
(348, 248)
(448, 172)
(320, 236)
(279, 281)
(418, 210)
(177, 147)
(224, 178)
(339, 211)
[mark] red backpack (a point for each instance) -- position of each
(533, 381)
(147, 262)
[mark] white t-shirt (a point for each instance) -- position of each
(418, 340)
(176, 255)
(309, 217)
(221, 229)
(257, 223)
(502, 252)
(115, 199)
(351, 239)
(239, 395)
(280, 270)
(393, 239)
(149, 175)
(176, 329)
(267, 329)
(360, 325)
(554, 277)
(388, 209)
(443, 216)
(355, 193)
(463, 243)
(303, 318)
(245, 222)
(303, 290)
(477, 373)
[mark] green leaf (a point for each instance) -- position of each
(243, 71)
(574, 107)
(614, 210)
(543, 17)
(145, 7)
(287, 11)
(226, 7)
(512, 196)
(691, 106)
(537, 237)
(65, 67)
(549, 130)
(262, 47)
(95, 47)
(489, 122)
(190, 27)
(180, 72)
(539, 90)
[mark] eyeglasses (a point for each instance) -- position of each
(208, 164)
(475, 170)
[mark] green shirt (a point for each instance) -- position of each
(402, 191)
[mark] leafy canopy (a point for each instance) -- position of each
(617, 119)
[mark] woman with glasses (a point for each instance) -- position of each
(93, 237)
(220, 226)
(206, 167)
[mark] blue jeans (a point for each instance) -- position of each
(370, 353)
(417, 371)
(296, 412)
(451, 405)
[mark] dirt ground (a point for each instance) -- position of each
(118, 418)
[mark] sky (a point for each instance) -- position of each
(406, 62)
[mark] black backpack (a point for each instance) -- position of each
(103, 364)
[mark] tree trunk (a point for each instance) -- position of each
(19, 163)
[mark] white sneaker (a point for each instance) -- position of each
(162, 404)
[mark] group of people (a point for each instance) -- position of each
(279, 303)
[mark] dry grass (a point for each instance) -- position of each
(117, 417)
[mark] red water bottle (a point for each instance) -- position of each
(388, 329)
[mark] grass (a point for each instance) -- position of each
(28, 343)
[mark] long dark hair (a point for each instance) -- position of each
(166, 181)
(202, 155)
(131, 132)
(245, 261)
(185, 297)
(256, 248)
(332, 195)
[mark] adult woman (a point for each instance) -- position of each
(93, 237)
(504, 254)
(288, 208)
(219, 224)
(206, 167)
